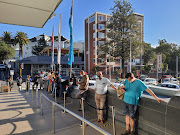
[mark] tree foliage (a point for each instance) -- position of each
(149, 54)
(22, 39)
(6, 51)
(7, 37)
(169, 52)
(123, 27)
(41, 45)
(95, 69)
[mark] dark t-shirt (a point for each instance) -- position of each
(74, 80)
(66, 82)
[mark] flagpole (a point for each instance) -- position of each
(71, 55)
(52, 50)
(59, 45)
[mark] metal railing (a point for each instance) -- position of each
(73, 114)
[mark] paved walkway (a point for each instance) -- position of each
(19, 114)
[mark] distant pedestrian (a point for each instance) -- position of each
(19, 83)
(100, 94)
(48, 77)
(83, 87)
(28, 82)
(11, 83)
(58, 84)
(41, 80)
(64, 87)
(73, 80)
(133, 89)
(35, 82)
(51, 82)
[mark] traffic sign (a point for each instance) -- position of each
(9, 65)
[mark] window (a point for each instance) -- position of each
(100, 60)
(94, 43)
(100, 52)
(94, 52)
(101, 18)
(94, 35)
(100, 35)
(108, 18)
(94, 60)
(87, 21)
(92, 19)
(100, 43)
(27, 48)
(101, 26)
(94, 27)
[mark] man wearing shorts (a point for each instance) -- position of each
(133, 89)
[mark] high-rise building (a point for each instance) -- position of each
(95, 27)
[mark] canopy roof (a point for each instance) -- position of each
(34, 13)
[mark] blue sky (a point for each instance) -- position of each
(161, 19)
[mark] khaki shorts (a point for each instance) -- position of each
(79, 95)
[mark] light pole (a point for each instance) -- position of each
(176, 66)
(130, 57)
(109, 66)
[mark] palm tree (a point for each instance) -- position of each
(22, 39)
(7, 37)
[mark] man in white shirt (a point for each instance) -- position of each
(100, 93)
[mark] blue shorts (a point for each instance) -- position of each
(129, 110)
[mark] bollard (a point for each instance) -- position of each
(53, 119)
(64, 101)
(82, 107)
(41, 104)
(113, 118)
(37, 96)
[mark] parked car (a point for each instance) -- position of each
(152, 81)
(143, 77)
(2, 67)
(166, 76)
(171, 80)
(169, 85)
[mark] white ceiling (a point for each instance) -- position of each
(34, 13)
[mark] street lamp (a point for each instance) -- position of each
(130, 57)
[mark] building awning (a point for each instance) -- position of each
(33, 13)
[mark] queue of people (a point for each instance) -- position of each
(132, 90)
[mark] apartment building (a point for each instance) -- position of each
(96, 35)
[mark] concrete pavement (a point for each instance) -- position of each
(19, 114)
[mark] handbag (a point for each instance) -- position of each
(120, 93)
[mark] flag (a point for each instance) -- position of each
(71, 55)
(59, 42)
(52, 50)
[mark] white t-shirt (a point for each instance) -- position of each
(101, 85)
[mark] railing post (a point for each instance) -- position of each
(32, 93)
(64, 101)
(29, 86)
(53, 119)
(113, 118)
(55, 95)
(82, 107)
(41, 104)
(37, 96)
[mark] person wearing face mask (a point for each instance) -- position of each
(133, 89)
(100, 94)
(83, 86)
